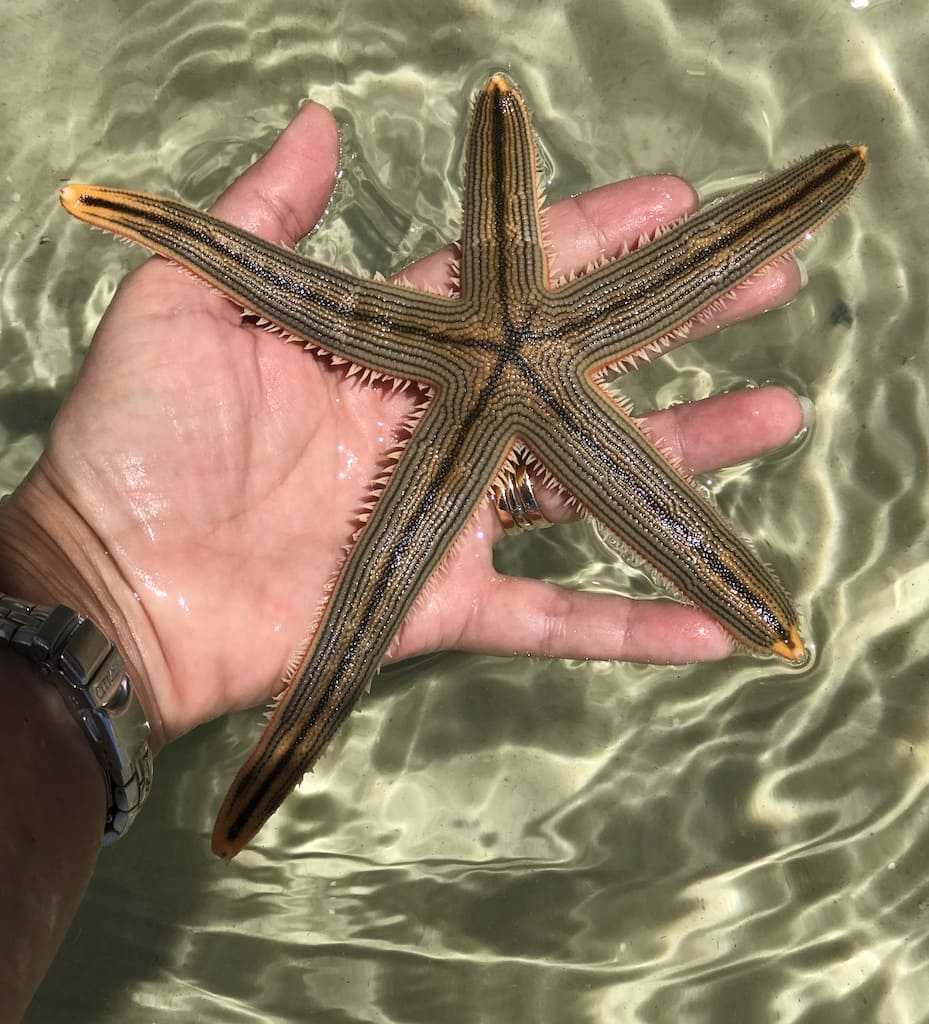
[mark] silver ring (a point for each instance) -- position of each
(514, 500)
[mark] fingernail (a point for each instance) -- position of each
(801, 266)
(809, 414)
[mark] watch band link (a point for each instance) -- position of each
(89, 673)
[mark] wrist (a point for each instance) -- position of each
(54, 803)
(51, 555)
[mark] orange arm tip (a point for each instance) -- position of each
(70, 195)
(790, 649)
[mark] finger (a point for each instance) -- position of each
(714, 432)
(280, 197)
(586, 229)
(283, 194)
(530, 617)
(728, 429)
(598, 224)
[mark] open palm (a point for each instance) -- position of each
(223, 471)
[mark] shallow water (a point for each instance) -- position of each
(502, 840)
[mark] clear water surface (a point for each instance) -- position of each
(503, 840)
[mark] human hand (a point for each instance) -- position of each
(202, 480)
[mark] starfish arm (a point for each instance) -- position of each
(384, 327)
(646, 298)
(429, 498)
(616, 473)
(501, 237)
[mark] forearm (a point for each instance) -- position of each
(53, 804)
(52, 789)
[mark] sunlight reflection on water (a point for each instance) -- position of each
(509, 840)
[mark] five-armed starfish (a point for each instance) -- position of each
(511, 364)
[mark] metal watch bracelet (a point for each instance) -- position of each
(88, 672)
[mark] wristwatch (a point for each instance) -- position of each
(89, 673)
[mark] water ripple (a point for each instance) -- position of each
(509, 840)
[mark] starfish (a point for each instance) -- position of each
(513, 368)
